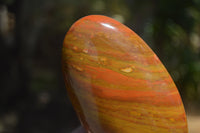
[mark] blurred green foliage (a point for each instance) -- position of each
(33, 97)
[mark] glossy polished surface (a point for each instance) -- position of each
(115, 81)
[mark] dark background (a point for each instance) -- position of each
(33, 97)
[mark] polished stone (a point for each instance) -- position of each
(116, 83)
